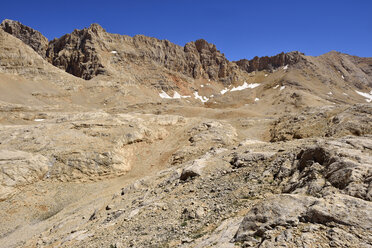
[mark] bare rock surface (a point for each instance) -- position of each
(269, 63)
(289, 211)
(29, 36)
(20, 168)
(17, 58)
(226, 206)
(103, 53)
(324, 122)
(109, 141)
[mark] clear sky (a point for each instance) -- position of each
(240, 29)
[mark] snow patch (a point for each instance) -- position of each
(330, 93)
(241, 87)
(203, 99)
(39, 120)
(266, 75)
(282, 88)
(202, 85)
(176, 95)
(164, 95)
(256, 99)
(114, 52)
(245, 86)
(276, 86)
(368, 96)
(224, 91)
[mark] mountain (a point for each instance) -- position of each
(100, 52)
(94, 54)
(108, 140)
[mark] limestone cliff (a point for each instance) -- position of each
(26, 34)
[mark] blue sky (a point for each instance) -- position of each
(240, 29)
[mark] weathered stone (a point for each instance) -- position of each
(18, 168)
(26, 34)
(289, 210)
(269, 63)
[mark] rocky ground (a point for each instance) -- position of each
(268, 152)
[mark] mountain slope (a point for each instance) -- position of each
(198, 70)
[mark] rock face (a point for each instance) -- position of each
(329, 186)
(26, 34)
(208, 62)
(269, 63)
(76, 54)
(20, 59)
(83, 53)
(92, 51)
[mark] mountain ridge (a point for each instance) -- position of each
(219, 68)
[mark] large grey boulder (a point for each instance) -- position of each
(289, 210)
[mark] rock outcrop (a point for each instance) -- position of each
(76, 53)
(208, 62)
(289, 211)
(20, 59)
(92, 51)
(269, 63)
(324, 122)
(26, 34)
(18, 169)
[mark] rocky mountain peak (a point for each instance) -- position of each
(76, 54)
(95, 27)
(202, 45)
(213, 63)
(26, 34)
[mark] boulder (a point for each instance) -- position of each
(288, 210)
